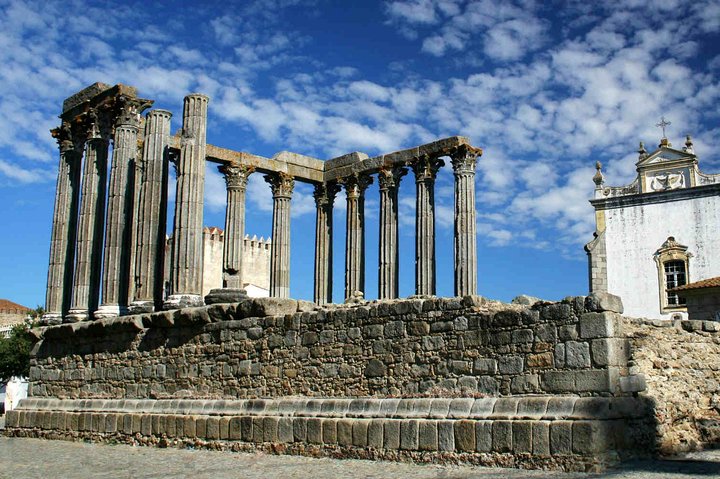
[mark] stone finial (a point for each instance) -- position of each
(689, 145)
(598, 178)
(642, 152)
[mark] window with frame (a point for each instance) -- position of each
(673, 261)
(675, 275)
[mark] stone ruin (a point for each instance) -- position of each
(572, 385)
(131, 259)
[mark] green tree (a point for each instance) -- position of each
(15, 353)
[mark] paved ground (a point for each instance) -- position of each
(36, 458)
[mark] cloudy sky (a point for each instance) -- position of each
(545, 88)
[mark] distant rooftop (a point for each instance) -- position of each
(7, 306)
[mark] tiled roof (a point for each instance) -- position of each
(6, 306)
(702, 284)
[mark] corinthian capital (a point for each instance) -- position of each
(281, 184)
(464, 158)
(356, 184)
(128, 110)
(236, 176)
(426, 167)
(64, 136)
(389, 177)
(325, 193)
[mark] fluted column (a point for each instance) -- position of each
(64, 229)
(425, 169)
(86, 284)
(282, 187)
(388, 257)
(187, 264)
(236, 177)
(324, 197)
(121, 200)
(152, 213)
(355, 187)
(465, 247)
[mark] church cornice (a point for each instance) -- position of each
(656, 197)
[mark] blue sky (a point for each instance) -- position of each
(545, 88)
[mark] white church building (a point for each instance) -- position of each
(659, 232)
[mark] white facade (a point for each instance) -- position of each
(669, 216)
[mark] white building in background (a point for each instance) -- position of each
(256, 262)
(659, 232)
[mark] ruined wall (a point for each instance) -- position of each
(681, 364)
(273, 348)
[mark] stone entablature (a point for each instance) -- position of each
(132, 256)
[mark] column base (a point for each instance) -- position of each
(106, 311)
(179, 301)
(140, 307)
(50, 319)
(225, 295)
(76, 315)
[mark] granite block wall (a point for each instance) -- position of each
(268, 347)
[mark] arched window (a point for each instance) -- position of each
(673, 263)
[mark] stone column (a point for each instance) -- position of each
(152, 213)
(324, 197)
(425, 169)
(236, 177)
(121, 200)
(187, 251)
(388, 256)
(282, 187)
(355, 187)
(64, 229)
(465, 248)
(86, 285)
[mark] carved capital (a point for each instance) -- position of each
(97, 124)
(128, 110)
(281, 184)
(356, 184)
(426, 167)
(236, 176)
(67, 141)
(389, 177)
(464, 159)
(325, 194)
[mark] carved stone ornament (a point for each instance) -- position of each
(389, 177)
(426, 167)
(236, 176)
(464, 159)
(281, 184)
(667, 181)
(324, 193)
(356, 184)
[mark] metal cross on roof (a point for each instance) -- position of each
(663, 123)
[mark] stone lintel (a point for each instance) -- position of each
(343, 166)
(94, 95)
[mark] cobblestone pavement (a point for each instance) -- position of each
(37, 458)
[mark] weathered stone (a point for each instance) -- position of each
(375, 368)
(577, 355)
(602, 301)
(427, 436)
(409, 435)
(502, 439)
